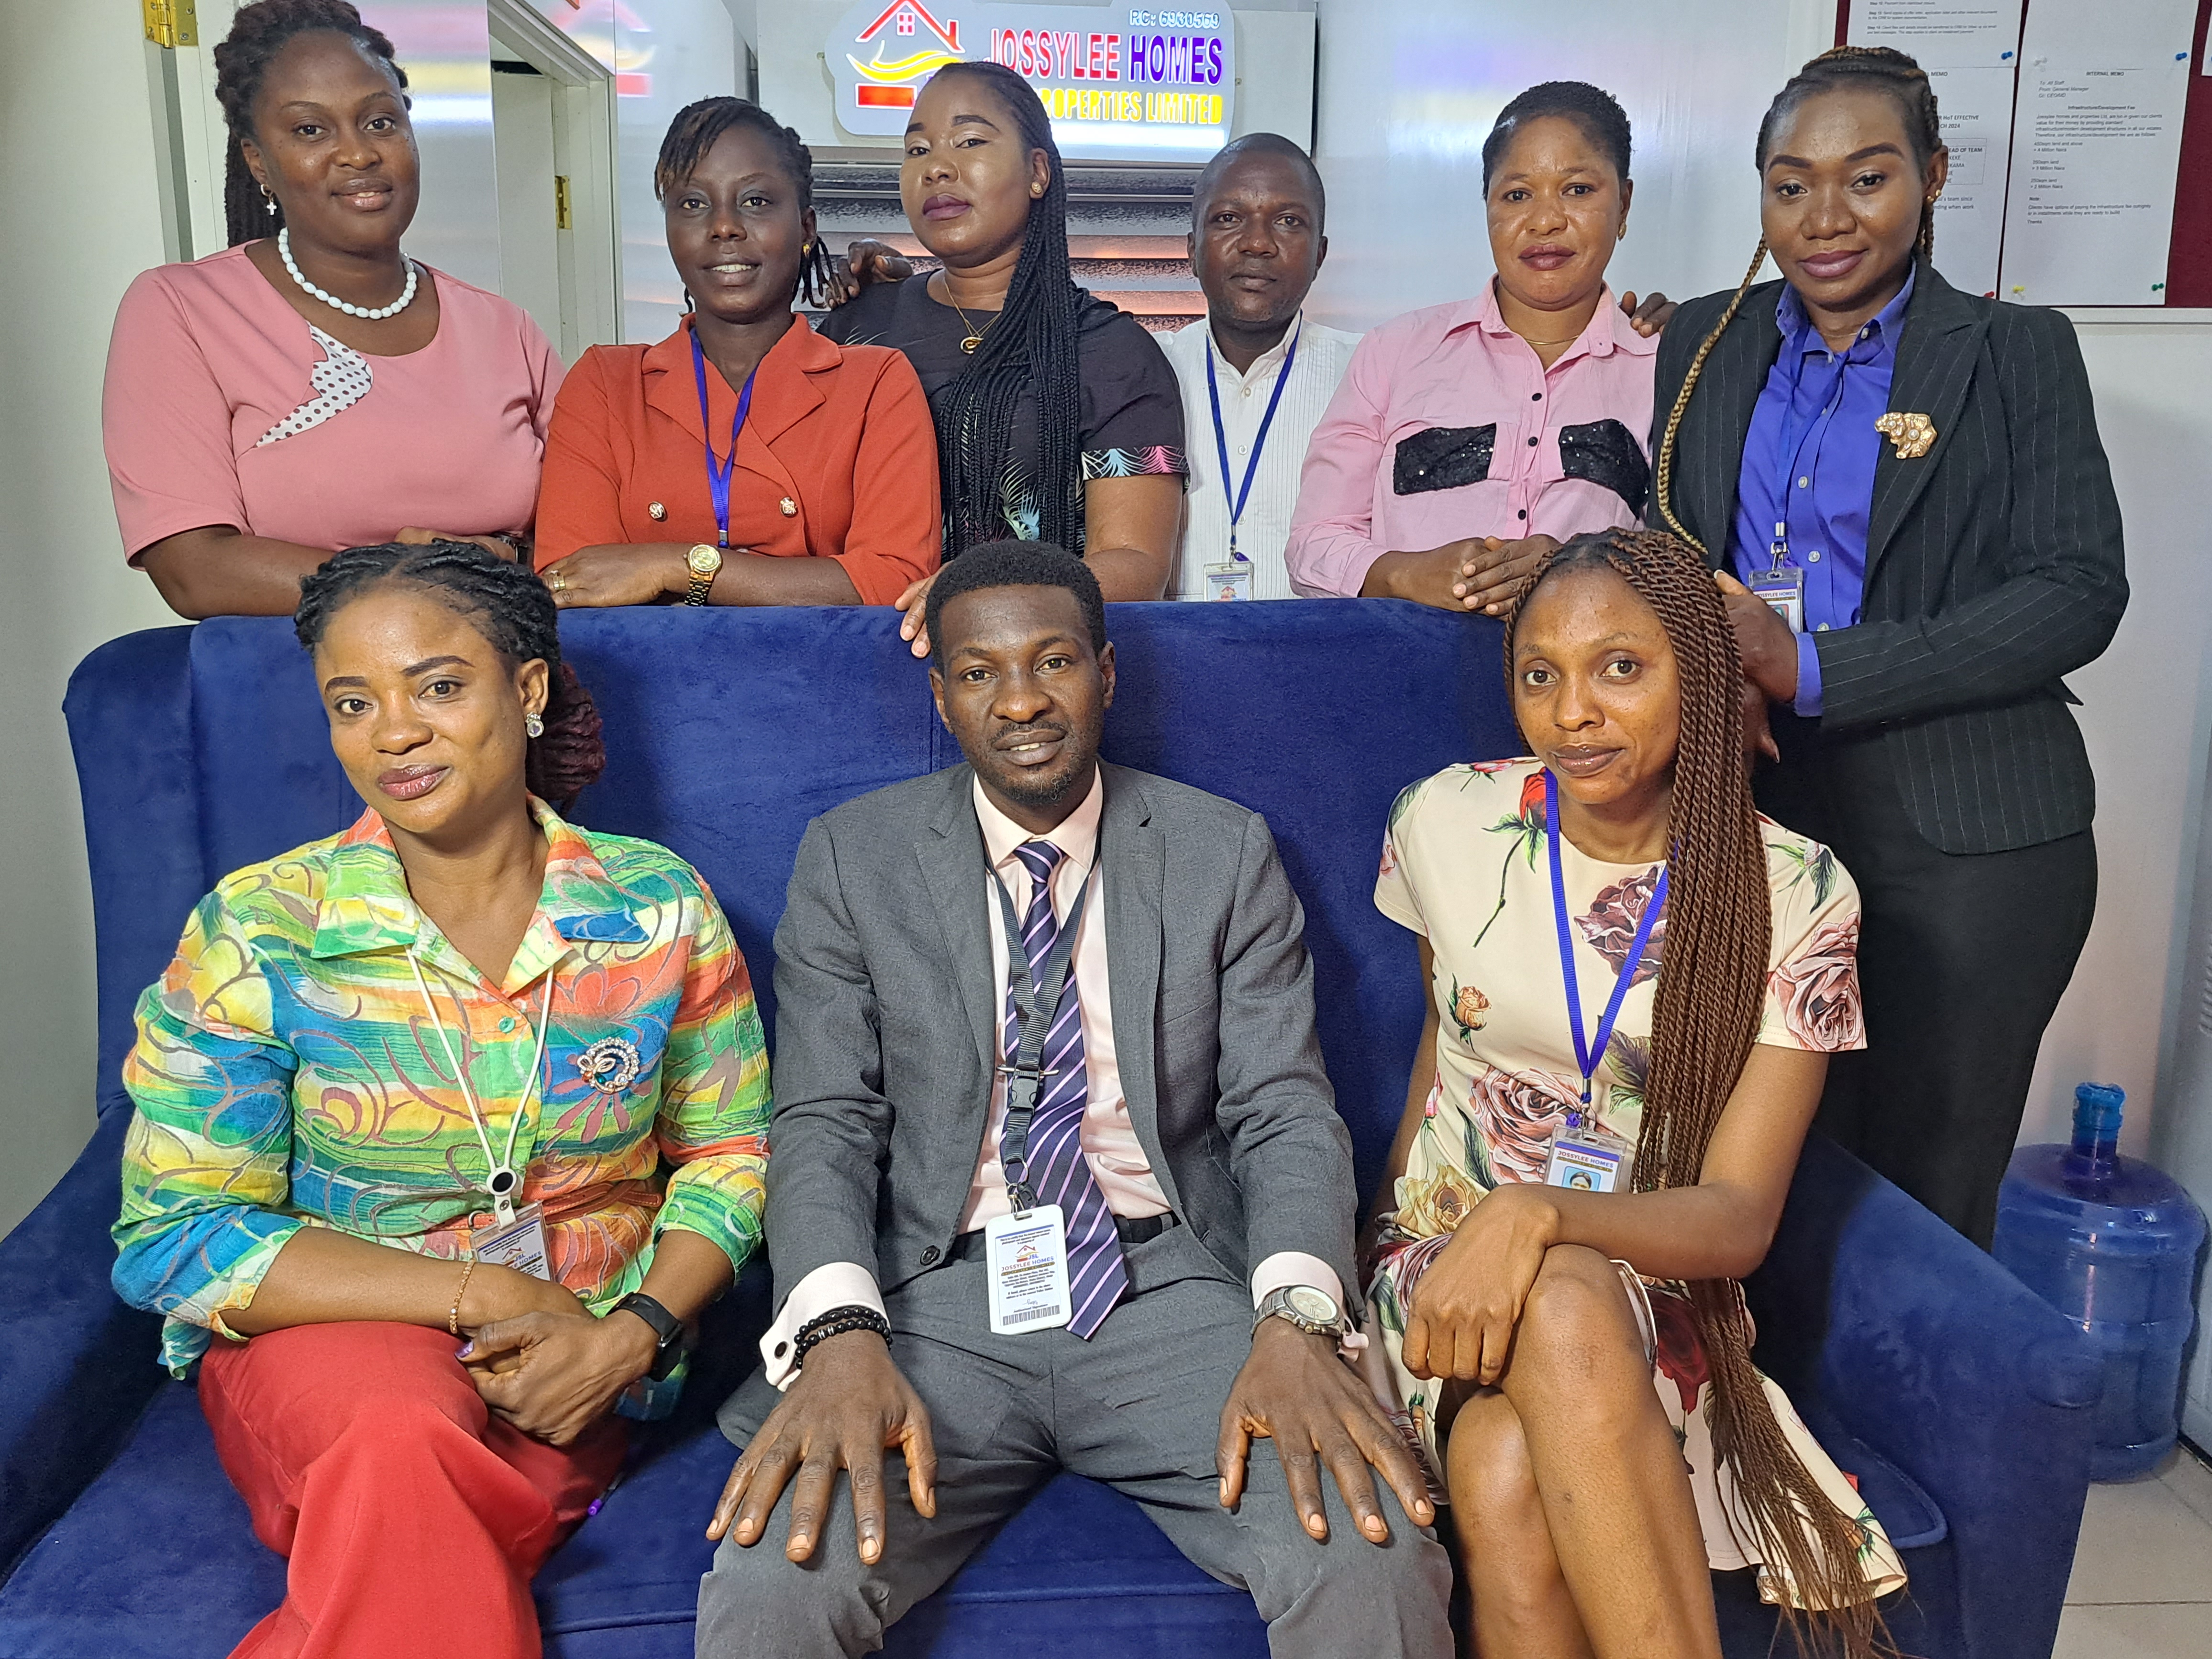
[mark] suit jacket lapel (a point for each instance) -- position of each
(1937, 352)
(950, 852)
(1720, 415)
(1134, 860)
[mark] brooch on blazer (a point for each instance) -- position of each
(610, 1065)
(1912, 435)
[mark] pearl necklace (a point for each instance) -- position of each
(406, 295)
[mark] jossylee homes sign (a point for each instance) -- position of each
(1121, 82)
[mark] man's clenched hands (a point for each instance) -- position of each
(848, 1405)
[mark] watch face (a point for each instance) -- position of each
(1311, 1304)
(704, 561)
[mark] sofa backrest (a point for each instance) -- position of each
(201, 749)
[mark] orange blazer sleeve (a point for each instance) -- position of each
(897, 535)
(580, 491)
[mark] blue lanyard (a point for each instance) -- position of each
(1221, 436)
(718, 471)
(1584, 1051)
(1793, 440)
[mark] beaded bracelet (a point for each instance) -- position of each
(454, 1318)
(836, 1322)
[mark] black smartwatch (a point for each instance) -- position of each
(668, 1331)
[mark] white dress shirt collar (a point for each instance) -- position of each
(1076, 835)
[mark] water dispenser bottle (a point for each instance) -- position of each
(2111, 1243)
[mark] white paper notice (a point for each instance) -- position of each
(1948, 33)
(2097, 141)
(1976, 101)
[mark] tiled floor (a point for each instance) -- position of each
(2142, 1586)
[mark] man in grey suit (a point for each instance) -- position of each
(1128, 1075)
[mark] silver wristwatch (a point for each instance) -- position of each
(1313, 1311)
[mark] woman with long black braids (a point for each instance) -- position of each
(311, 387)
(1901, 489)
(1058, 417)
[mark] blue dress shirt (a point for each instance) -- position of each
(1815, 418)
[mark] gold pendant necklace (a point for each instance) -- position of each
(974, 334)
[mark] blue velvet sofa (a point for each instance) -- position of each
(1959, 1399)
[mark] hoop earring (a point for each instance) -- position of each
(533, 725)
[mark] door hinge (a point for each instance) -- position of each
(171, 22)
(561, 219)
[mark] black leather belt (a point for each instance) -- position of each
(1134, 1230)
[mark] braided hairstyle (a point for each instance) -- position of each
(694, 132)
(1596, 111)
(509, 606)
(257, 33)
(1712, 981)
(1032, 345)
(1878, 69)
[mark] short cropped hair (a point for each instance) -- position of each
(1258, 143)
(1014, 564)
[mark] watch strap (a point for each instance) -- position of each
(667, 1330)
(699, 588)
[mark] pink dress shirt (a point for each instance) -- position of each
(225, 406)
(1459, 366)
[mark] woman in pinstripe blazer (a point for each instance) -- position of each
(1901, 488)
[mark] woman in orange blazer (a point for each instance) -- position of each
(725, 465)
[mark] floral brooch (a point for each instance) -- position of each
(610, 1065)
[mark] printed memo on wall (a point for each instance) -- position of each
(2068, 123)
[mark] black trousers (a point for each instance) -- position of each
(1962, 960)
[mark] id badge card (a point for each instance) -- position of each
(1585, 1161)
(1231, 580)
(1783, 589)
(1025, 1255)
(520, 1243)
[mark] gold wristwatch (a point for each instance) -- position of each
(705, 563)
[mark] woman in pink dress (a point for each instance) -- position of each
(311, 388)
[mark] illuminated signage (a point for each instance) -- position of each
(1119, 81)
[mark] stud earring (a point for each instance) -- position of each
(533, 725)
(1037, 190)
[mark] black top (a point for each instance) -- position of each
(1993, 562)
(1131, 406)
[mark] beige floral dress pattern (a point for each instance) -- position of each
(1465, 864)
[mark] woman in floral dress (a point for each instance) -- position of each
(1553, 1264)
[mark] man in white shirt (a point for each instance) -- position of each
(1256, 245)
(1051, 1117)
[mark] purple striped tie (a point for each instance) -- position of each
(1057, 1171)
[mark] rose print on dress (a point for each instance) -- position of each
(1610, 926)
(1520, 1112)
(1468, 1009)
(1527, 829)
(1819, 990)
(1681, 1351)
(1436, 1203)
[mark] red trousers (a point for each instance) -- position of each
(413, 1520)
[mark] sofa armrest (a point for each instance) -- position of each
(1877, 1314)
(78, 1366)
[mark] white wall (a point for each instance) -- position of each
(79, 217)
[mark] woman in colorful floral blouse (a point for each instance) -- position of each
(447, 1128)
(1635, 985)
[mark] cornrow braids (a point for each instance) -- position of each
(1031, 346)
(1596, 111)
(1883, 69)
(257, 33)
(509, 606)
(1879, 69)
(1712, 982)
(693, 133)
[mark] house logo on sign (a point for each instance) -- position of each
(887, 82)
